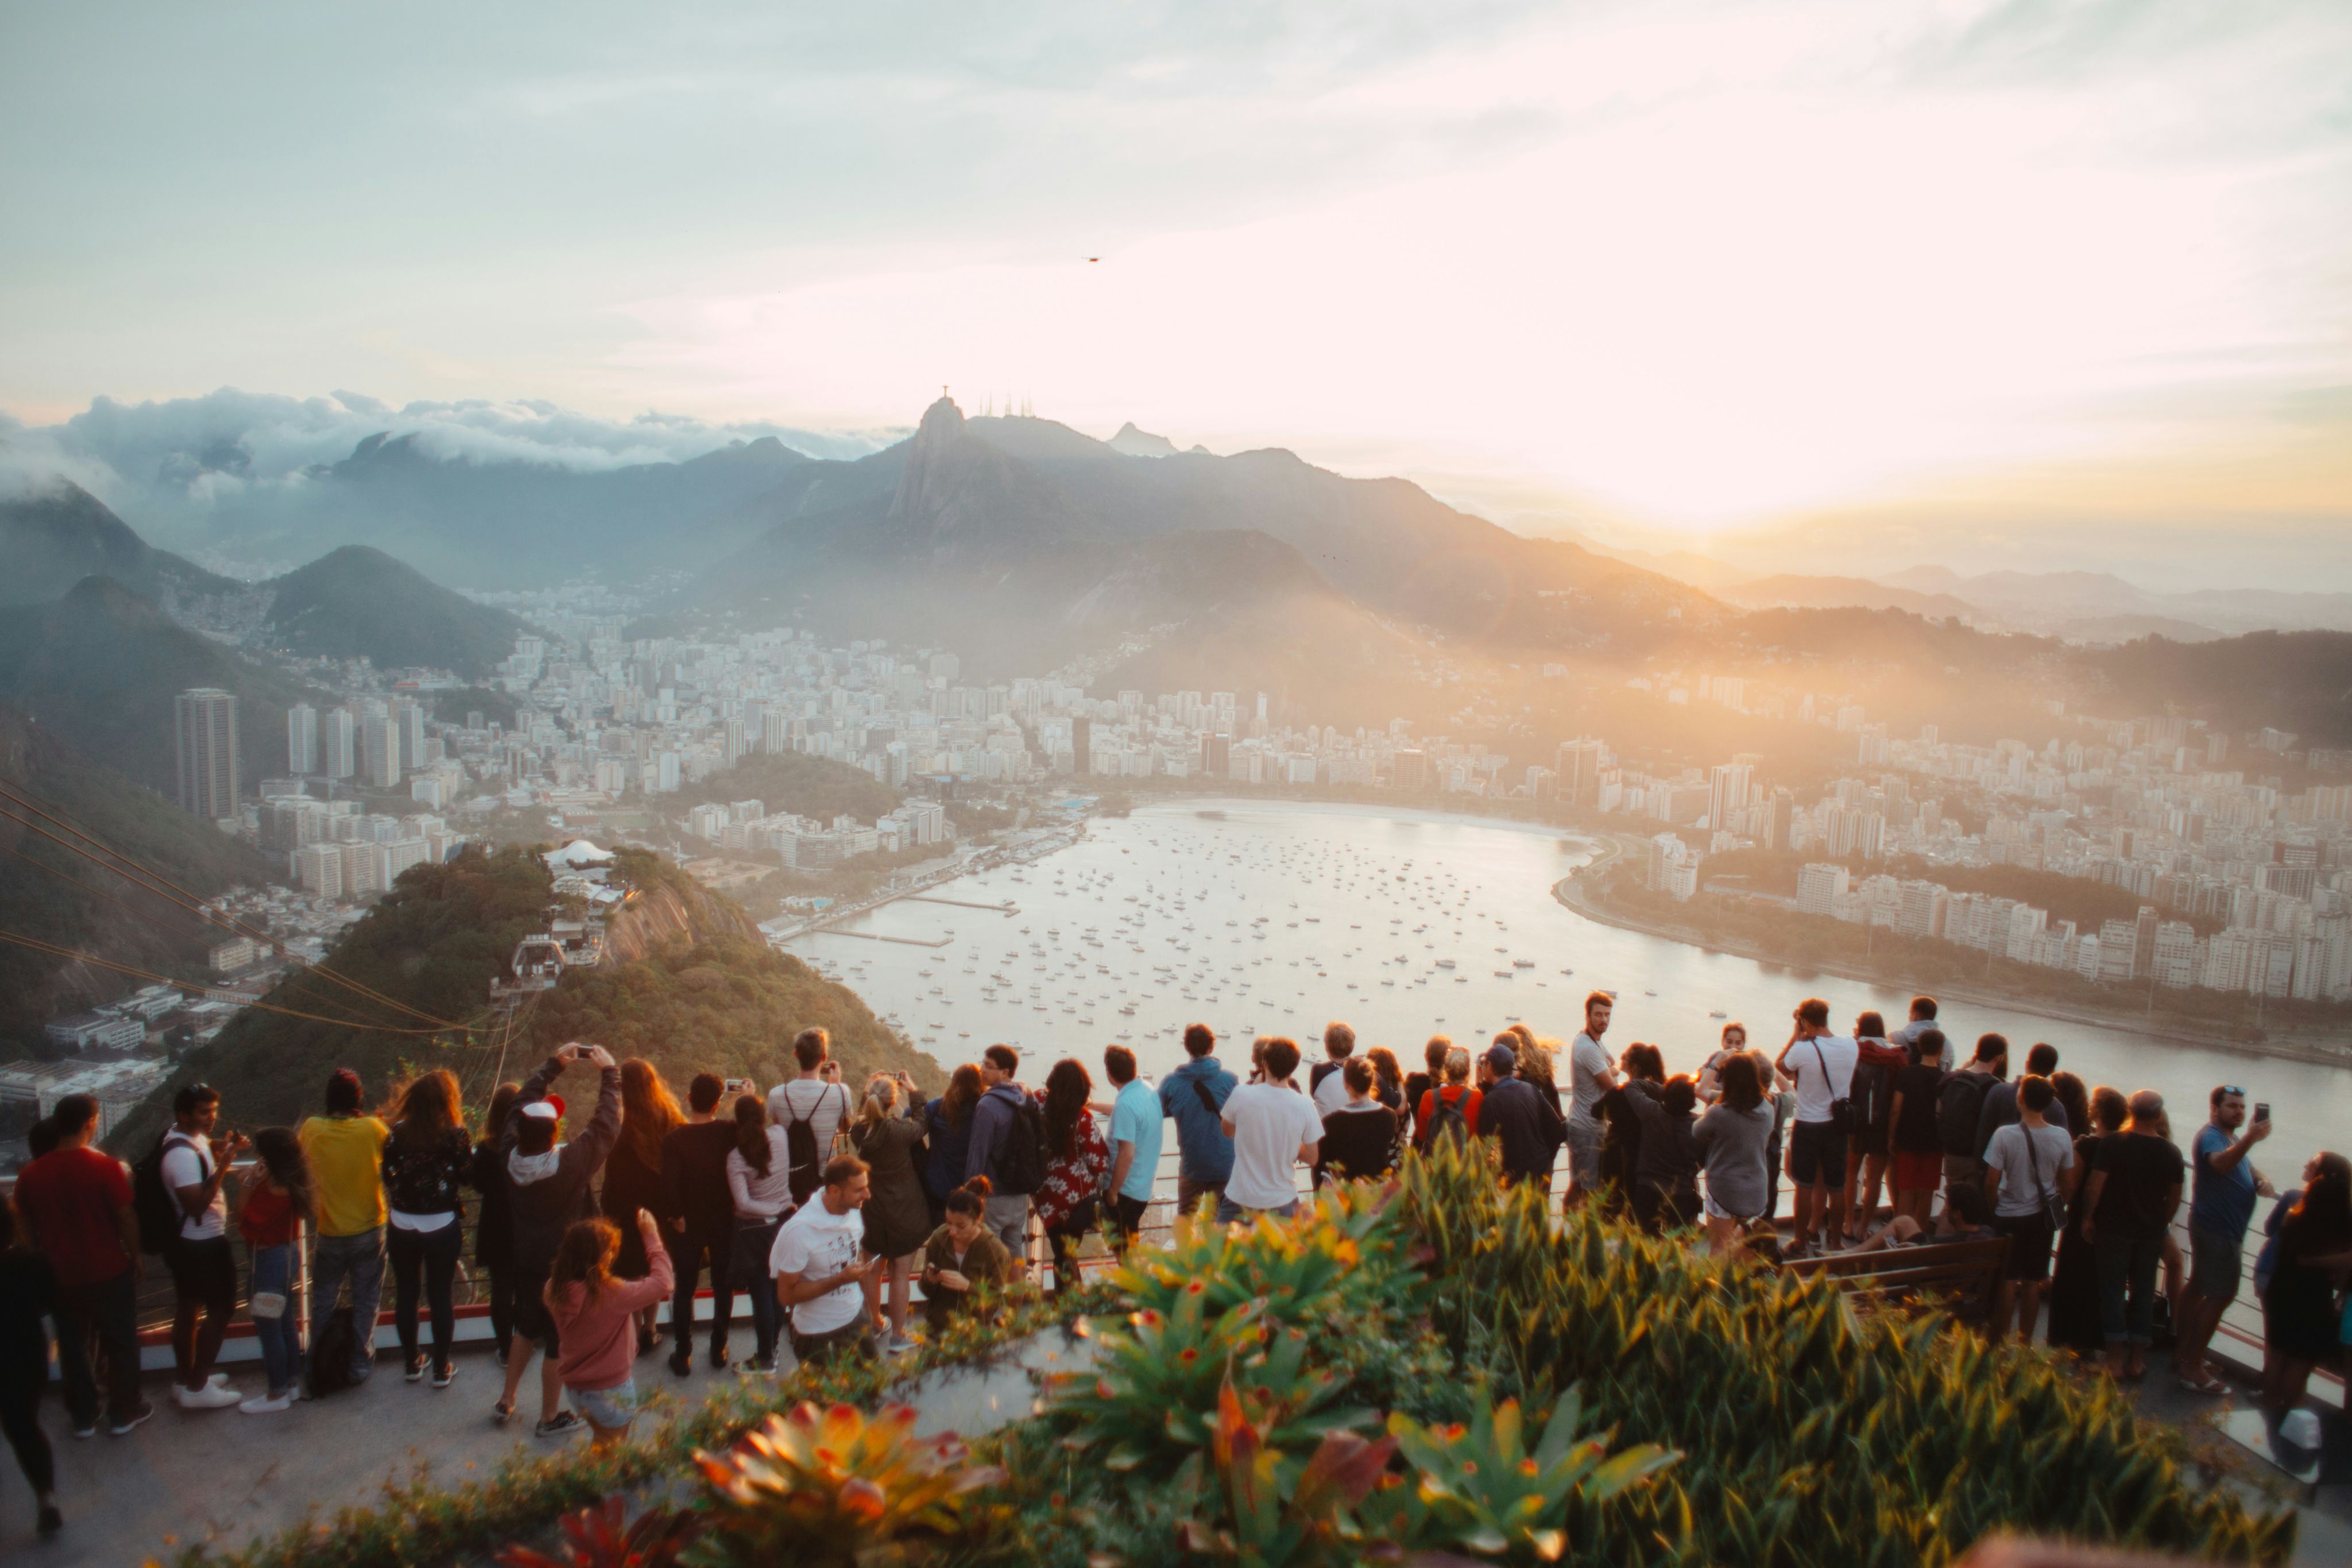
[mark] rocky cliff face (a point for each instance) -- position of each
(667, 913)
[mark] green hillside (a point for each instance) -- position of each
(793, 782)
(55, 536)
(686, 984)
(112, 920)
(99, 670)
(359, 602)
(715, 997)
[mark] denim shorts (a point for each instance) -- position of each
(2215, 1263)
(606, 1407)
(1584, 1151)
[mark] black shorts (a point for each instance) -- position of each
(204, 1271)
(1817, 1154)
(532, 1321)
(2028, 1247)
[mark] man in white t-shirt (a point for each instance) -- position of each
(1822, 1065)
(821, 1102)
(820, 1265)
(1328, 1082)
(1275, 1128)
(1589, 1076)
(204, 1270)
(2027, 1163)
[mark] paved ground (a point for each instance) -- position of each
(218, 1474)
(190, 1475)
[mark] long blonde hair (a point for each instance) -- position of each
(649, 1112)
(881, 1099)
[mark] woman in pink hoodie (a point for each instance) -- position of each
(594, 1320)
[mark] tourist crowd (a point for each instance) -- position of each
(825, 1204)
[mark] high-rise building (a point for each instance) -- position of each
(1727, 792)
(205, 723)
(337, 750)
(380, 750)
(1577, 773)
(301, 740)
(1818, 884)
(409, 713)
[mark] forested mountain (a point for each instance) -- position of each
(500, 524)
(58, 534)
(49, 892)
(689, 984)
(100, 669)
(1020, 542)
(358, 600)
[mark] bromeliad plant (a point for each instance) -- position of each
(1477, 1488)
(1814, 1434)
(605, 1537)
(1153, 1399)
(1277, 1513)
(1349, 1262)
(835, 1487)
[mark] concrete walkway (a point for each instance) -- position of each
(219, 1475)
(191, 1475)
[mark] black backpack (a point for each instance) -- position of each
(1959, 1104)
(332, 1353)
(152, 1202)
(1021, 1162)
(803, 1164)
(1873, 1093)
(1446, 1122)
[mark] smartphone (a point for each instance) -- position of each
(739, 1086)
(2261, 1111)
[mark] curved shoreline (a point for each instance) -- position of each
(1571, 897)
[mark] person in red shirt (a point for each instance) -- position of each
(1454, 1091)
(280, 1200)
(76, 1206)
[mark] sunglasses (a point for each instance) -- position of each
(2230, 1089)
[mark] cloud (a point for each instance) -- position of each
(198, 450)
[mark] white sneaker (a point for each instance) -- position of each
(211, 1396)
(218, 1380)
(268, 1404)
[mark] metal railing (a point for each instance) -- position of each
(2238, 1340)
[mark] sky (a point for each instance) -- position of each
(1986, 282)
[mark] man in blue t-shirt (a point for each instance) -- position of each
(1135, 1129)
(1195, 1095)
(2220, 1206)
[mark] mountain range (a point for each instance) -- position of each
(503, 524)
(2091, 608)
(1022, 542)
